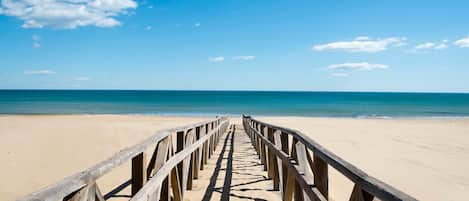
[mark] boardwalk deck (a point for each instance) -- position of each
(207, 161)
(235, 173)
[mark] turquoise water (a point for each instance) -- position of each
(324, 104)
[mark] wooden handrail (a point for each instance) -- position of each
(188, 146)
(297, 174)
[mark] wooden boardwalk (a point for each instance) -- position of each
(235, 173)
(216, 160)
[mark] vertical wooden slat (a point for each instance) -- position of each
(139, 173)
(302, 158)
(175, 184)
(197, 158)
(262, 146)
(281, 172)
(298, 190)
(180, 136)
(290, 186)
(275, 138)
(321, 178)
(360, 195)
(273, 174)
(284, 144)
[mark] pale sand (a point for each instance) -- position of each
(427, 158)
(36, 151)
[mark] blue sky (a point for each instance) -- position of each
(235, 45)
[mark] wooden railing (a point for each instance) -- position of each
(179, 155)
(286, 155)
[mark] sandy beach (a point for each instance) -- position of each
(426, 158)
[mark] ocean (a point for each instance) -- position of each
(314, 104)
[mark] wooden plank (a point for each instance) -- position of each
(360, 195)
(176, 184)
(273, 169)
(187, 179)
(278, 145)
(139, 172)
(180, 138)
(312, 192)
(302, 160)
(99, 195)
(284, 144)
(160, 156)
(166, 169)
(370, 184)
(321, 175)
(290, 187)
(298, 190)
(262, 147)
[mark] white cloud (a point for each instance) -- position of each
(39, 72)
(245, 58)
(358, 66)
(216, 59)
(362, 38)
(67, 14)
(362, 44)
(463, 42)
(339, 74)
(36, 39)
(197, 24)
(82, 78)
(431, 46)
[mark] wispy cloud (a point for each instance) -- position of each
(216, 59)
(39, 72)
(339, 74)
(431, 46)
(245, 58)
(83, 78)
(362, 44)
(358, 66)
(36, 41)
(463, 42)
(197, 24)
(148, 28)
(67, 14)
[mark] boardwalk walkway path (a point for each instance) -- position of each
(235, 173)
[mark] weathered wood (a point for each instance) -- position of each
(176, 184)
(360, 195)
(168, 167)
(159, 157)
(290, 187)
(77, 181)
(278, 145)
(321, 175)
(99, 195)
(312, 192)
(139, 173)
(368, 184)
(303, 163)
(273, 169)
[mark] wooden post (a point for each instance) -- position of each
(262, 145)
(284, 144)
(290, 186)
(360, 195)
(273, 161)
(139, 173)
(180, 173)
(197, 162)
(321, 179)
